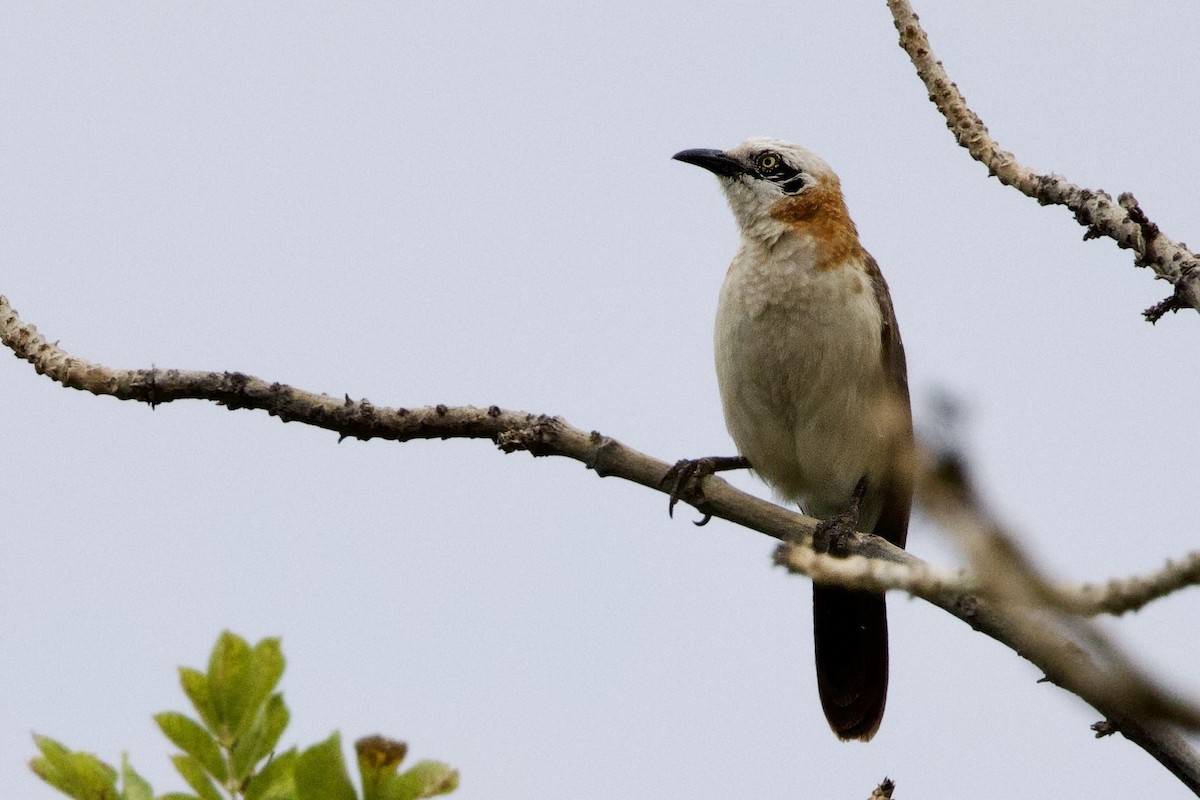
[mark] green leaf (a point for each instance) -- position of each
(321, 772)
(229, 666)
(78, 775)
(241, 679)
(133, 786)
(260, 737)
(196, 777)
(191, 737)
(178, 796)
(254, 685)
(275, 780)
(269, 662)
(51, 749)
(53, 765)
(425, 779)
(195, 686)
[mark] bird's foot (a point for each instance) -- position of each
(684, 479)
(831, 535)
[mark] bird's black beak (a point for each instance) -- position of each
(715, 161)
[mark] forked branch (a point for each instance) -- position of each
(1019, 609)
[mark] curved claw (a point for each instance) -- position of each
(686, 474)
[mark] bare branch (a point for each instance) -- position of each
(1128, 702)
(1120, 595)
(1122, 221)
(875, 573)
(538, 434)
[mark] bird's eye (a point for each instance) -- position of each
(768, 162)
(770, 166)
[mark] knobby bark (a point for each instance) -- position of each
(1122, 220)
(1043, 622)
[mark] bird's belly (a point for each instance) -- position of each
(802, 388)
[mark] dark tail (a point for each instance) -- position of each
(850, 631)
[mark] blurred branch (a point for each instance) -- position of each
(1052, 633)
(870, 568)
(1128, 594)
(1006, 603)
(1122, 221)
(1004, 595)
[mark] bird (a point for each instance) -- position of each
(814, 389)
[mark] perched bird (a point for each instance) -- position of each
(815, 391)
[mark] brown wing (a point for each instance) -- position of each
(897, 486)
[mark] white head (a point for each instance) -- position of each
(773, 187)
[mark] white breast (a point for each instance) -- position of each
(798, 362)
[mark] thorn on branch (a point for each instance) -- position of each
(152, 388)
(1131, 205)
(234, 390)
(1042, 192)
(1104, 728)
(1149, 230)
(360, 420)
(1172, 304)
(599, 459)
(1178, 299)
(534, 438)
(277, 407)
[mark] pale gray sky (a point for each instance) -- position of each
(474, 203)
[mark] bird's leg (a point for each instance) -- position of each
(684, 479)
(831, 534)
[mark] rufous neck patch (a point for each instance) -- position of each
(820, 213)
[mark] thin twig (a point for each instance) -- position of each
(1123, 220)
(1120, 595)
